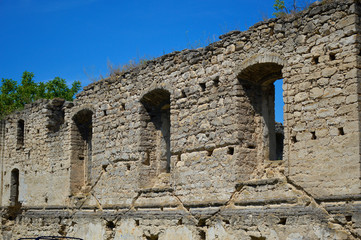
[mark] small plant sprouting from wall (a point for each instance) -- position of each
(293, 6)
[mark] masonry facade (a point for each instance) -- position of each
(185, 146)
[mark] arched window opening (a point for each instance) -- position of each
(259, 82)
(81, 150)
(20, 133)
(155, 137)
(14, 187)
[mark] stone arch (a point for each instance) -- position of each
(156, 86)
(261, 68)
(257, 75)
(76, 110)
(14, 187)
(81, 149)
(155, 135)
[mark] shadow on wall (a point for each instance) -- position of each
(155, 137)
(81, 150)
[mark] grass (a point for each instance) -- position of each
(115, 70)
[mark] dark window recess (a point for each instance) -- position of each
(155, 138)
(14, 187)
(293, 139)
(230, 150)
(260, 82)
(316, 60)
(283, 221)
(81, 145)
(313, 137)
(209, 152)
(340, 131)
(332, 56)
(203, 86)
(279, 132)
(20, 133)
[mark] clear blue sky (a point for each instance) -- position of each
(74, 39)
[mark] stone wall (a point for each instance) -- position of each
(185, 146)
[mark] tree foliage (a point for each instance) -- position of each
(14, 96)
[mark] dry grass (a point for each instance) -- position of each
(115, 70)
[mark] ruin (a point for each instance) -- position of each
(185, 146)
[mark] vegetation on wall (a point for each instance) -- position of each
(282, 8)
(14, 96)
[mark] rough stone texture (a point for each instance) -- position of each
(185, 146)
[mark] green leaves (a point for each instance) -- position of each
(292, 7)
(14, 96)
(280, 8)
(58, 88)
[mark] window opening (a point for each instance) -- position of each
(155, 139)
(81, 160)
(20, 133)
(279, 128)
(262, 84)
(14, 187)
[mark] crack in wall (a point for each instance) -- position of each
(98, 202)
(181, 205)
(318, 205)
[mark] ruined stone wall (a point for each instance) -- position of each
(184, 146)
(41, 156)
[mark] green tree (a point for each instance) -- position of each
(14, 96)
(8, 96)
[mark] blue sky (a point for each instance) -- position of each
(74, 39)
